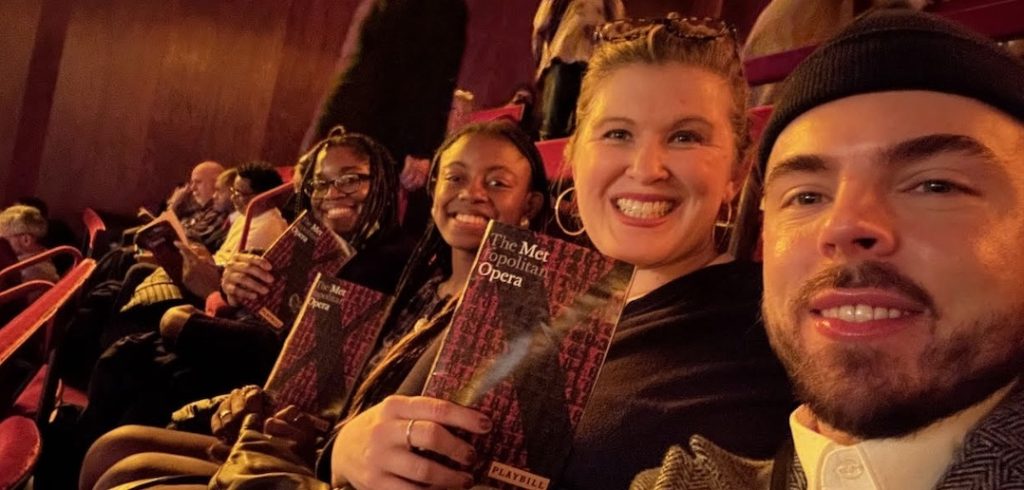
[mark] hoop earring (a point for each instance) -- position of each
(558, 214)
(727, 224)
(524, 222)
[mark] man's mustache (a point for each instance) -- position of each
(870, 274)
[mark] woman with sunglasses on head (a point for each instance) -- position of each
(658, 158)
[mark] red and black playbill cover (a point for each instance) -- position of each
(305, 249)
(327, 348)
(525, 346)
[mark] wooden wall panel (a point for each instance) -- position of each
(148, 88)
(19, 20)
(143, 89)
(316, 30)
(102, 105)
(37, 100)
(215, 85)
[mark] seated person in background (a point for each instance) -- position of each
(193, 203)
(222, 196)
(490, 170)
(201, 272)
(57, 232)
(350, 186)
(24, 227)
(893, 218)
(138, 379)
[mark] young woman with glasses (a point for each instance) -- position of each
(483, 171)
(231, 351)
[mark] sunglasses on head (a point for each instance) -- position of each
(694, 28)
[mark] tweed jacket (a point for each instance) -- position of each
(992, 457)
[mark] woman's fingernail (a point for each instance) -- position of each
(485, 424)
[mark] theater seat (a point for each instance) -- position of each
(553, 154)
(512, 112)
(274, 198)
(94, 225)
(28, 401)
(20, 445)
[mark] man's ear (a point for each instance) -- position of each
(534, 201)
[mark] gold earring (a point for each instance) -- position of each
(558, 214)
(728, 218)
(524, 222)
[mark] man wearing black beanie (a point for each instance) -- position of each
(893, 179)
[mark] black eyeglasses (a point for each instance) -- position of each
(702, 29)
(347, 183)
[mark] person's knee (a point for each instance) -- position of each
(132, 468)
(173, 321)
(110, 448)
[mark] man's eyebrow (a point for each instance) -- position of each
(796, 164)
(909, 151)
(931, 145)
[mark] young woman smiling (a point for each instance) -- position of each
(482, 172)
(658, 158)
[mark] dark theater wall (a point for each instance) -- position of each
(108, 103)
(498, 54)
(19, 20)
(146, 88)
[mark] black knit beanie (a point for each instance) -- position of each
(899, 49)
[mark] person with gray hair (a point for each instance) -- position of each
(24, 227)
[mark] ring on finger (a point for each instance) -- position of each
(408, 434)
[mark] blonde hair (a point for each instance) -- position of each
(227, 177)
(717, 55)
(19, 219)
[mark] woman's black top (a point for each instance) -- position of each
(690, 357)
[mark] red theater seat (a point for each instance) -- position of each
(513, 112)
(13, 270)
(20, 445)
(553, 154)
(286, 173)
(25, 345)
(274, 198)
(94, 225)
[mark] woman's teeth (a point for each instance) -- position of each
(643, 209)
(470, 219)
(339, 212)
(863, 313)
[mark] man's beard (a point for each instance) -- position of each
(869, 393)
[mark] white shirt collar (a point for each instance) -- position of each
(916, 461)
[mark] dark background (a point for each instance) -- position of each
(109, 103)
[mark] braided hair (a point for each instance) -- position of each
(380, 209)
(432, 255)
